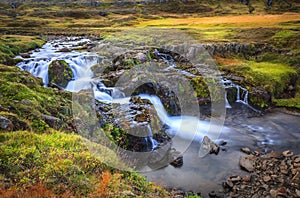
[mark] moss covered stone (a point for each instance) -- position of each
(28, 104)
(59, 73)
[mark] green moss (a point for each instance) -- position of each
(285, 34)
(200, 87)
(291, 102)
(60, 73)
(275, 77)
(270, 77)
(24, 96)
(12, 45)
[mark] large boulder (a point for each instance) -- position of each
(59, 73)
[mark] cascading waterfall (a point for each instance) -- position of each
(241, 94)
(79, 62)
(186, 127)
(172, 65)
(241, 97)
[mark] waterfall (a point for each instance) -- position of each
(241, 94)
(227, 105)
(185, 127)
(79, 62)
(151, 143)
(172, 65)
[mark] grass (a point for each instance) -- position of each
(275, 78)
(26, 99)
(12, 45)
(60, 164)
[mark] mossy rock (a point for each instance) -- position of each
(26, 102)
(59, 73)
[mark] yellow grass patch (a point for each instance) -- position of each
(230, 21)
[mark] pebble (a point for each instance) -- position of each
(246, 150)
(287, 153)
(247, 178)
(298, 193)
(266, 178)
(273, 193)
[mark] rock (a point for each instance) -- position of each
(223, 143)
(272, 154)
(176, 159)
(246, 150)
(52, 121)
(298, 193)
(25, 55)
(246, 178)
(64, 49)
(212, 194)
(248, 163)
(229, 183)
(266, 178)
(208, 146)
(59, 73)
(103, 14)
(287, 153)
(141, 57)
(235, 178)
(5, 124)
(273, 193)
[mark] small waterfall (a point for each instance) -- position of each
(241, 94)
(186, 127)
(227, 105)
(79, 62)
(151, 143)
(172, 65)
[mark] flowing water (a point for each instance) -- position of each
(274, 131)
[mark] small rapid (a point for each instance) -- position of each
(63, 49)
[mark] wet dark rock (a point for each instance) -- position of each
(209, 146)
(213, 194)
(64, 49)
(52, 121)
(176, 159)
(223, 143)
(5, 124)
(59, 73)
(55, 86)
(25, 55)
(103, 14)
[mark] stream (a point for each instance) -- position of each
(244, 127)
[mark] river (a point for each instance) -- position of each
(275, 130)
